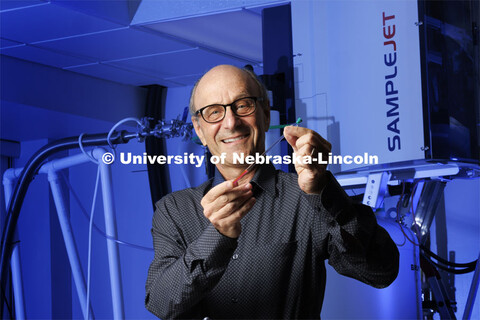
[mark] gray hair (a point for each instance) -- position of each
(250, 73)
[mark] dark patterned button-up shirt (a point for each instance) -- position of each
(275, 269)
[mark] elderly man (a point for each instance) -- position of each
(256, 249)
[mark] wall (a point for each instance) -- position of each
(50, 88)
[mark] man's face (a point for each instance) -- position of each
(223, 85)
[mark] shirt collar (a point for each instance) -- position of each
(264, 177)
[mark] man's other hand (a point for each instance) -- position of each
(225, 205)
(306, 142)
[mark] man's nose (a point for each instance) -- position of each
(231, 120)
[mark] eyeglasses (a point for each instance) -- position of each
(241, 107)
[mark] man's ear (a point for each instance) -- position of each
(198, 130)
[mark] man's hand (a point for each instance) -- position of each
(225, 205)
(306, 142)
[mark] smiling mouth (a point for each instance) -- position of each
(234, 139)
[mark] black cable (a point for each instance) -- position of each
(451, 270)
(446, 262)
(5, 301)
(27, 175)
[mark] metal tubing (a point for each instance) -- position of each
(111, 231)
(64, 163)
(15, 265)
(72, 251)
(473, 292)
(17, 283)
(51, 169)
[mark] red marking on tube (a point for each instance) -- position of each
(235, 182)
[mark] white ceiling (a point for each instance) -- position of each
(166, 42)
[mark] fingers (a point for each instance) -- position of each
(298, 137)
(229, 224)
(306, 150)
(225, 205)
(291, 139)
(306, 142)
(225, 188)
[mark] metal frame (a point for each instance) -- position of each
(375, 181)
(473, 292)
(51, 169)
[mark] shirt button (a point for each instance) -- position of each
(234, 300)
(235, 256)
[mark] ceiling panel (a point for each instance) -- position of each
(115, 44)
(113, 73)
(16, 4)
(238, 33)
(48, 21)
(120, 11)
(153, 11)
(14, 125)
(186, 79)
(174, 44)
(4, 43)
(39, 55)
(179, 63)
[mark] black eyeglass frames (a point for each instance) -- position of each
(241, 107)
